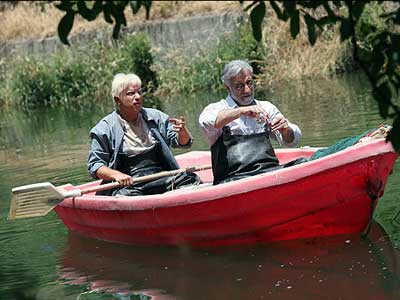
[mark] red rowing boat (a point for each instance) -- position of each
(333, 195)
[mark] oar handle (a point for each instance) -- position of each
(116, 184)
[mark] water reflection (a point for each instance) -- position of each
(339, 107)
(345, 267)
(52, 145)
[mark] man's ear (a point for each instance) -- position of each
(116, 100)
(227, 88)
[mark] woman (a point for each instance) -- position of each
(134, 141)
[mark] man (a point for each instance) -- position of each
(239, 128)
(134, 141)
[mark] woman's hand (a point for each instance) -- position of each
(107, 173)
(123, 179)
(179, 125)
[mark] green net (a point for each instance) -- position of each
(340, 145)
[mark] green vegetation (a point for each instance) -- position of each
(203, 71)
(79, 78)
(82, 77)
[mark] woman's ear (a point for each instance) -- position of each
(117, 101)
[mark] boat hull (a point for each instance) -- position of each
(330, 196)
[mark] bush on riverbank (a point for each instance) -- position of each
(82, 77)
(203, 71)
(79, 78)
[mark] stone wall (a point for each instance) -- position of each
(191, 35)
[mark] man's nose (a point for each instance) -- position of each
(246, 88)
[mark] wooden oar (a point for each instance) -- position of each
(36, 200)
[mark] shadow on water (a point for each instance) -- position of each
(344, 267)
(27, 288)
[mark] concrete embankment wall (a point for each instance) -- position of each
(191, 35)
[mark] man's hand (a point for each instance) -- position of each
(224, 117)
(281, 123)
(254, 111)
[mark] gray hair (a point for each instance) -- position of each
(234, 68)
(121, 81)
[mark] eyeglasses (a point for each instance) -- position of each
(240, 86)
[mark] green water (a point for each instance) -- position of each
(39, 259)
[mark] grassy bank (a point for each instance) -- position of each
(203, 71)
(78, 78)
(81, 78)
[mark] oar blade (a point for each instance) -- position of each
(34, 200)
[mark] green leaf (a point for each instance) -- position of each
(310, 22)
(135, 6)
(397, 19)
(357, 8)
(394, 49)
(295, 24)
(65, 5)
(310, 4)
(328, 9)
(117, 12)
(377, 61)
(345, 29)
(147, 6)
(394, 134)
(338, 4)
(383, 95)
(281, 15)
(116, 30)
(65, 26)
(256, 17)
(327, 20)
(396, 80)
(290, 6)
(97, 8)
(107, 12)
(84, 11)
(250, 5)
(147, 3)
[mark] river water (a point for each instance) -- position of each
(40, 259)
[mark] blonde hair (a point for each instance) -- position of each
(121, 81)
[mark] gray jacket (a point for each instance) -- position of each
(107, 139)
